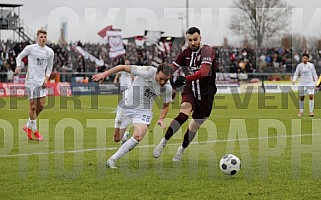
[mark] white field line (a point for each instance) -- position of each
(149, 146)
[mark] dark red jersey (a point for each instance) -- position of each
(199, 69)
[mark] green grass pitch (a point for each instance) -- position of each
(280, 152)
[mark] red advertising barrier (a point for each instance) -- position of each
(18, 89)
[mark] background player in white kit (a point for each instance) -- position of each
(124, 79)
(308, 77)
(40, 63)
(136, 105)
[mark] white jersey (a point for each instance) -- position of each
(125, 79)
(307, 73)
(40, 62)
(144, 89)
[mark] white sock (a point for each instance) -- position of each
(180, 149)
(311, 105)
(163, 141)
(29, 123)
(32, 124)
(301, 105)
(125, 148)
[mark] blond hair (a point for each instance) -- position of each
(41, 31)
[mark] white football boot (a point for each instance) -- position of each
(111, 163)
(159, 148)
(179, 154)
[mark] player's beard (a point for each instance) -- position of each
(194, 48)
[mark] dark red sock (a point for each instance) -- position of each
(188, 137)
(175, 125)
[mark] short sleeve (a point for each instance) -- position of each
(180, 59)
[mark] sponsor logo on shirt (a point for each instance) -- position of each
(208, 59)
(40, 61)
(149, 93)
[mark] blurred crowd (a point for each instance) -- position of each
(69, 63)
(266, 60)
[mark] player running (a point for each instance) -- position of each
(198, 64)
(136, 105)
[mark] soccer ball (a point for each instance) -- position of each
(230, 164)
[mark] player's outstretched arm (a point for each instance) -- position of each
(204, 71)
(118, 68)
(162, 115)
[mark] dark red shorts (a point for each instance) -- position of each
(202, 107)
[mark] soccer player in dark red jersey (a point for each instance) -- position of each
(198, 64)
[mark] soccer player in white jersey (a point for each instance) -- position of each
(136, 105)
(308, 77)
(124, 79)
(40, 63)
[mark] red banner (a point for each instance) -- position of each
(102, 33)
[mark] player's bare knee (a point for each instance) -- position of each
(117, 135)
(117, 138)
(33, 108)
(186, 105)
(137, 138)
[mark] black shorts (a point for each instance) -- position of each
(202, 107)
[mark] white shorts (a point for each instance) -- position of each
(125, 117)
(35, 90)
(304, 90)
